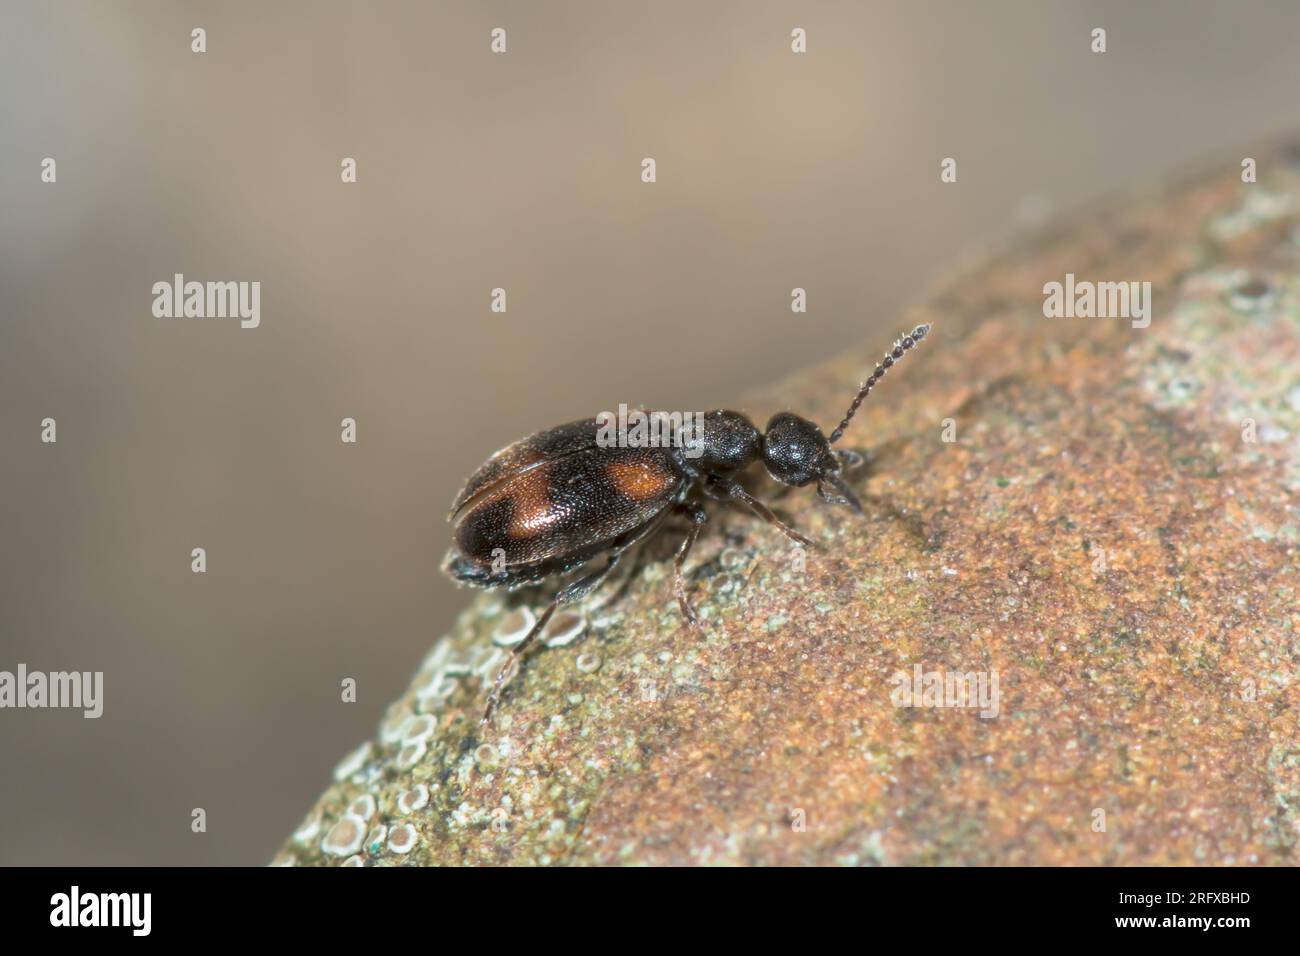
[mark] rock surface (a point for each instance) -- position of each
(1112, 531)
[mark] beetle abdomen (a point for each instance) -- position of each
(536, 521)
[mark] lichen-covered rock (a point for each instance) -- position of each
(1107, 524)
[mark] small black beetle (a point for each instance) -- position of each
(550, 503)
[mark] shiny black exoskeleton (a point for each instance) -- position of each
(551, 503)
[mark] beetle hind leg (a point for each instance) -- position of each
(570, 593)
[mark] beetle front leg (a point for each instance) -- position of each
(697, 517)
(725, 489)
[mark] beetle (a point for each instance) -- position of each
(547, 505)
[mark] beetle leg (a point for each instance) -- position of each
(637, 549)
(725, 488)
(575, 591)
(698, 517)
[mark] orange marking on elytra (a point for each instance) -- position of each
(638, 481)
(532, 510)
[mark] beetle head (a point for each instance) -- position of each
(797, 453)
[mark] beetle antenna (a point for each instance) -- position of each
(892, 356)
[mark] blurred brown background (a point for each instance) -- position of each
(475, 170)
